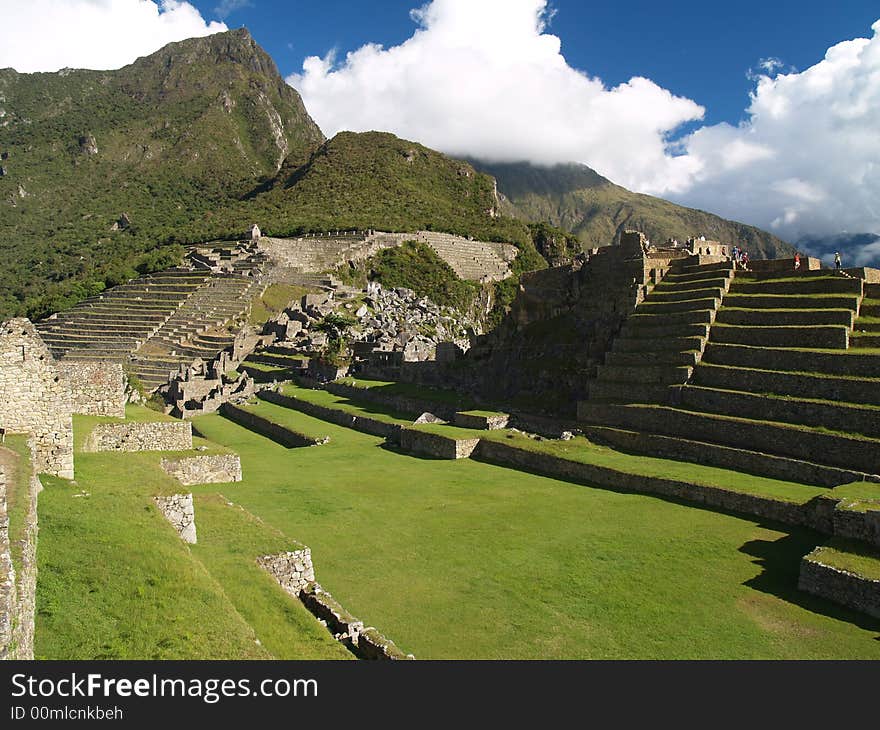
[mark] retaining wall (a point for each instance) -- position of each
(179, 511)
(423, 443)
(216, 469)
(96, 388)
(390, 431)
(847, 589)
(401, 403)
(263, 426)
(154, 436)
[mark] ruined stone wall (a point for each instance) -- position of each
(279, 434)
(96, 388)
(214, 469)
(155, 436)
(178, 509)
(424, 443)
(840, 586)
(18, 590)
(34, 399)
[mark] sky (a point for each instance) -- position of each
(764, 112)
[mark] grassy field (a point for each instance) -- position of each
(115, 581)
(467, 560)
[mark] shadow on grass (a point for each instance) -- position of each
(780, 560)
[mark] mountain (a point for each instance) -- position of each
(100, 167)
(575, 198)
(857, 249)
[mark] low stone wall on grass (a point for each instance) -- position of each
(214, 469)
(279, 434)
(401, 403)
(840, 586)
(364, 424)
(423, 443)
(155, 436)
(295, 573)
(487, 422)
(179, 511)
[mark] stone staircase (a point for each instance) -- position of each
(781, 390)
(198, 329)
(866, 328)
(113, 325)
(662, 342)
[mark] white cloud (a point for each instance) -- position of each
(820, 133)
(47, 35)
(228, 7)
(486, 79)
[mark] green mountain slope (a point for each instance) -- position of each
(578, 199)
(164, 140)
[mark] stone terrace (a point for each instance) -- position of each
(783, 388)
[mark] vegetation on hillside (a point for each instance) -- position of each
(577, 199)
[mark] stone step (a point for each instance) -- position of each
(781, 301)
(661, 344)
(648, 374)
(701, 268)
(641, 318)
(665, 295)
(792, 360)
(800, 385)
(784, 317)
(723, 457)
(865, 341)
(845, 417)
(820, 336)
(660, 357)
(870, 310)
(863, 326)
(657, 333)
(691, 305)
(797, 442)
(713, 282)
(609, 390)
(799, 287)
(872, 291)
(677, 277)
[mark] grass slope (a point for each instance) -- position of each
(115, 581)
(467, 560)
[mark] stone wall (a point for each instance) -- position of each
(34, 399)
(263, 426)
(96, 388)
(155, 436)
(179, 511)
(493, 422)
(424, 443)
(400, 403)
(389, 431)
(840, 586)
(214, 469)
(18, 589)
(295, 573)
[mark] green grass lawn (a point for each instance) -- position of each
(850, 556)
(115, 581)
(460, 559)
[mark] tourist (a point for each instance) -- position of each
(744, 260)
(837, 261)
(797, 261)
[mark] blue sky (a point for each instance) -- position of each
(763, 112)
(702, 50)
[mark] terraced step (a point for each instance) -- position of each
(785, 317)
(845, 417)
(724, 457)
(689, 295)
(661, 344)
(648, 374)
(799, 385)
(800, 287)
(624, 392)
(649, 319)
(860, 340)
(819, 336)
(782, 301)
(690, 305)
(702, 268)
(659, 357)
(797, 442)
(846, 363)
(711, 282)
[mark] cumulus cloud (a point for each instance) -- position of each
(47, 35)
(487, 79)
(818, 169)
